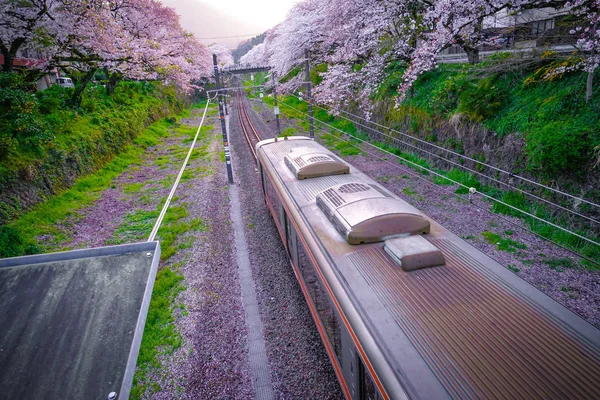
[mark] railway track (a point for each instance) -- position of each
(250, 132)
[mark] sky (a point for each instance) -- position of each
(210, 19)
(264, 13)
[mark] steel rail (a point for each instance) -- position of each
(248, 126)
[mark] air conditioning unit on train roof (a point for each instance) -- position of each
(306, 162)
(364, 213)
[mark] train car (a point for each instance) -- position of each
(405, 308)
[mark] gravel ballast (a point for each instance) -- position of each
(300, 366)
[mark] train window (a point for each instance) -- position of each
(274, 200)
(263, 179)
(368, 389)
(292, 239)
(327, 313)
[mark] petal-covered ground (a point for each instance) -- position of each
(200, 351)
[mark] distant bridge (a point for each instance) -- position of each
(246, 69)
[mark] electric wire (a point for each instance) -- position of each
(467, 187)
(471, 170)
(467, 158)
(174, 187)
(415, 175)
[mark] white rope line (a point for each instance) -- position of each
(174, 188)
(455, 182)
(508, 185)
(455, 153)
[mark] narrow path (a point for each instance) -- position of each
(259, 364)
(300, 367)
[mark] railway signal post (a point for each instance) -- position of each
(222, 118)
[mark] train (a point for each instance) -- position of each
(405, 308)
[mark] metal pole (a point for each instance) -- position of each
(223, 127)
(276, 108)
(309, 97)
(225, 96)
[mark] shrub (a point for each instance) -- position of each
(20, 118)
(481, 100)
(557, 147)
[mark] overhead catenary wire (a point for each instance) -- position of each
(573, 212)
(457, 154)
(176, 183)
(415, 175)
(471, 170)
(464, 186)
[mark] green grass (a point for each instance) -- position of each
(513, 268)
(133, 187)
(503, 244)
(137, 225)
(559, 264)
(21, 236)
(160, 336)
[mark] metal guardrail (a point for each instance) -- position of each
(527, 51)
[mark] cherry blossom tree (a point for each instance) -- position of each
(224, 56)
(360, 39)
(256, 56)
(23, 22)
(134, 39)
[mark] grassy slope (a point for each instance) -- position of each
(560, 129)
(84, 139)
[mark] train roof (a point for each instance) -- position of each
(467, 328)
(72, 322)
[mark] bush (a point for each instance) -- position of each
(481, 100)
(53, 98)
(558, 148)
(20, 119)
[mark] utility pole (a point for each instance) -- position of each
(309, 97)
(223, 126)
(276, 108)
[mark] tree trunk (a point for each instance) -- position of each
(112, 83)
(590, 78)
(10, 54)
(589, 86)
(80, 87)
(472, 54)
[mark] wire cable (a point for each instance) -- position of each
(458, 183)
(475, 172)
(458, 155)
(174, 188)
(581, 256)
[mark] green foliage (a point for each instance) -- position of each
(83, 139)
(556, 148)
(21, 236)
(503, 244)
(482, 99)
(21, 124)
(315, 73)
(551, 115)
